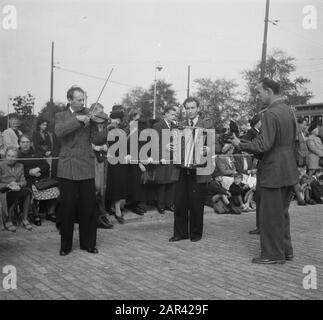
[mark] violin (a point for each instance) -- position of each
(97, 117)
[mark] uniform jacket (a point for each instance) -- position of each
(277, 143)
(76, 156)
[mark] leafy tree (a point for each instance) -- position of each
(279, 67)
(48, 112)
(143, 100)
(220, 100)
(24, 105)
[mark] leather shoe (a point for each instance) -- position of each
(93, 250)
(51, 217)
(37, 221)
(137, 211)
(301, 202)
(63, 253)
(160, 210)
(195, 239)
(267, 261)
(119, 219)
(256, 231)
(174, 239)
(90, 250)
(289, 257)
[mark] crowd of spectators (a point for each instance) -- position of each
(29, 162)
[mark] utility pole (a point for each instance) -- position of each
(264, 44)
(52, 75)
(158, 67)
(188, 80)
(51, 101)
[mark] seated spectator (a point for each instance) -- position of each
(306, 190)
(315, 148)
(255, 124)
(317, 186)
(13, 183)
(12, 134)
(36, 170)
(219, 198)
(241, 193)
(41, 139)
(225, 166)
(2, 147)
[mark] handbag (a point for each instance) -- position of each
(46, 183)
(148, 176)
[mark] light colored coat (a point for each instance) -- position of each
(10, 139)
(315, 148)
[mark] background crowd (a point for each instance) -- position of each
(29, 189)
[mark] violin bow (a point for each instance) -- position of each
(97, 100)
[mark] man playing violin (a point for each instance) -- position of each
(76, 173)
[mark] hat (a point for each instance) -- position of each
(116, 114)
(312, 127)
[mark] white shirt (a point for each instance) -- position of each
(195, 120)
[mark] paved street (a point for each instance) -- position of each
(136, 261)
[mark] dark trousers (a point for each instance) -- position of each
(189, 205)
(78, 198)
(274, 224)
(258, 196)
(165, 195)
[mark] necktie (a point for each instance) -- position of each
(191, 123)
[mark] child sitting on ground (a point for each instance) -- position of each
(219, 198)
(305, 189)
(317, 187)
(242, 195)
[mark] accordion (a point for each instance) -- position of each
(189, 143)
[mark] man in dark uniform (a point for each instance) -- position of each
(76, 173)
(191, 188)
(278, 175)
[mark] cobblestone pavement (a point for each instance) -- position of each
(136, 261)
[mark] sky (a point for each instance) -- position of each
(218, 38)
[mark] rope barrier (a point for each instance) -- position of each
(135, 160)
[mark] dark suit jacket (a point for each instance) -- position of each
(165, 173)
(238, 161)
(277, 142)
(76, 157)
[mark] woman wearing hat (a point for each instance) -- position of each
(315, 148)
(116, 189)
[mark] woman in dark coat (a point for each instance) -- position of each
(41, 139)
(35, 170)
(136, 191)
